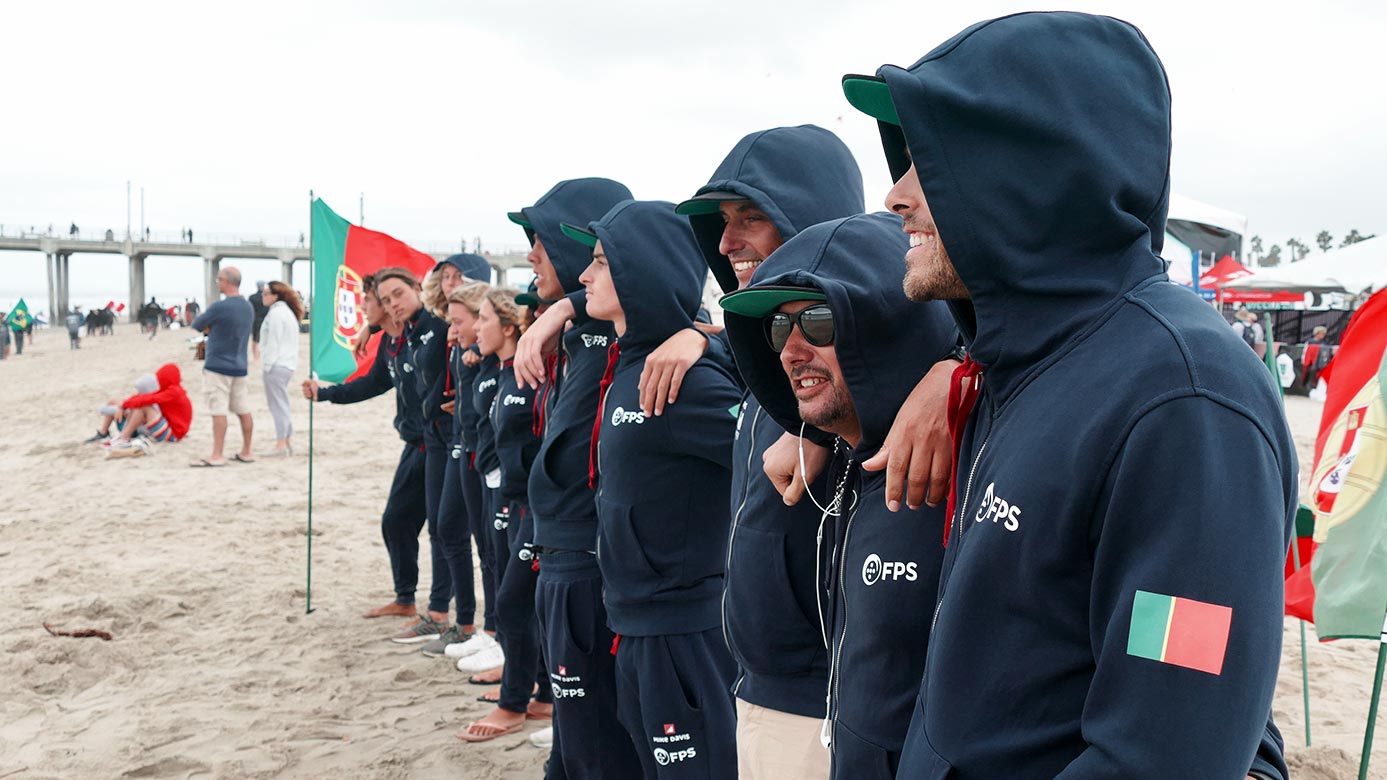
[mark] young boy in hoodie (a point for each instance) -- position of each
(589, 741)
(662, 498)
(161, 413)
(1108, 607)
(825, 338)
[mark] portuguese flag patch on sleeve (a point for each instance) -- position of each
(1179, 631)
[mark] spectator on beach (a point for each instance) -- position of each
(279, 339)
(227, 324)
(4, 337)
(1316, 356)
(259, 307)
(160, 414)
(73, 321)
(191, 310)
(1243, 321)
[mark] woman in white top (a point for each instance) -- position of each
(279, 357)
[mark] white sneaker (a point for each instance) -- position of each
(489, 658)
(116, 444)
(544, 738)
(479, 642)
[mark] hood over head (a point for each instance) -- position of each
(472, 266)
(884, 342)
(799, 176)
(576, 202)
(168, 375)
(146, 383)
(1042, 144)
(656, 268)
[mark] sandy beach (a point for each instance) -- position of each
(215, 670)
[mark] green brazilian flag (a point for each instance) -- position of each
(19, 318)
(343, 253)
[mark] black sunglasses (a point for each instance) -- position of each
(815, 322)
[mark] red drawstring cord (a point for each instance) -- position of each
(964, 386)
(613, 352)
(551, 364)
(616, 642)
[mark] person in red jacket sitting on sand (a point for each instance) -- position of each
(163, 415)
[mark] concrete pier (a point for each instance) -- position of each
(57, 250)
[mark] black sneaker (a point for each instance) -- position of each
(99, 437)
(435, 648)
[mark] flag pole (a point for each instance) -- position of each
(312, 372)
(1304, 661)
(1372, 708)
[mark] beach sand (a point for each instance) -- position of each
(216, 671)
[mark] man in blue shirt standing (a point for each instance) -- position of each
(227, 325)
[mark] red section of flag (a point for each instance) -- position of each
(1300, 587)
(1198, 635)
(1355, 362)
(368, 251)
(363, 366)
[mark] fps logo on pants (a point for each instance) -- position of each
(668, 736)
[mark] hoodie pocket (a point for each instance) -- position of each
(860, 759)
(919, 758)
(629, 561)
(769, 632)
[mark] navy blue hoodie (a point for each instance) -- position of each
(453, 373)
(393, 367)
(512, 419)
(1096, 464)
(465, 412)
(428, 339)
(662, 499)
(882, 568)
(486, 383)
(798, 176)
(565, 517)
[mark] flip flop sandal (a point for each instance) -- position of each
(237, 457)
(485, 699)
(205, 464)
(475, 680)
(533, 716)
(499, 732)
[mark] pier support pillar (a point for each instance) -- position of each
(286, 272)
(64, 290)
(50, 264)
(210, 267)
(136, 286)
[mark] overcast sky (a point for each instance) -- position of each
(448, 114)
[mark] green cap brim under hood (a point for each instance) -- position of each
(871, 96)
(762, 301)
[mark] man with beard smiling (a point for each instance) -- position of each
(1087, 626)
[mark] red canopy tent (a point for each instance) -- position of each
(1227, 270)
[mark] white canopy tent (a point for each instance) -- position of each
(1355, 268)
(1192, 225)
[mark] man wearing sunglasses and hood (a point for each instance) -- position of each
(1108, 606)
(825, 337)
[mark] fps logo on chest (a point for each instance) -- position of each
(875, 570)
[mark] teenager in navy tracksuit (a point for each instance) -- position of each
(662, 498)
(428, 338)
(486, 463)
(774, 184)
(1109, 606)
(498, 327)
(589, 741)
(404, 513)
(460, 512)
(880, 568)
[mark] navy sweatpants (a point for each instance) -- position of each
(589, 740)
(455, 537)
(515, 611)
(436, 457)
(674, 697)
(403, 518)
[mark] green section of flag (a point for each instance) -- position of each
(1150, 623)
(1350, 566)
(332, 362)
(19, 317)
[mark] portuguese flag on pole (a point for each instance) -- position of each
(343, 253)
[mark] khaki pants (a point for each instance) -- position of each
(773, 745)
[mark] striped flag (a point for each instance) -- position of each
(343, 253)
(1179, 631)
(1348, 569)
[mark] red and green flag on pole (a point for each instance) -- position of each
(343, 253)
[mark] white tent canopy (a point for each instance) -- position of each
(1354, 268)
(1191, 210)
